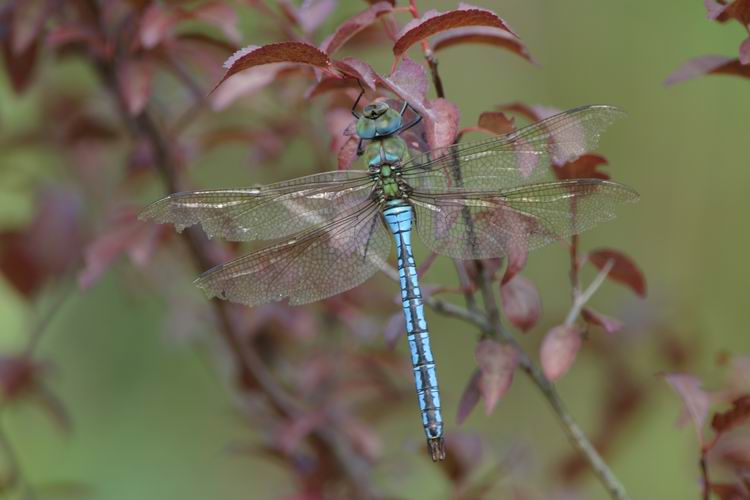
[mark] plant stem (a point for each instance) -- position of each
(491, 325)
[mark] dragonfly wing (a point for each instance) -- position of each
(265, 212)
(479, 225)
(517, 158)
(317, 264)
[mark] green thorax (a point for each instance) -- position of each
(384, 157)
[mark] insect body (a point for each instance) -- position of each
(468, 201)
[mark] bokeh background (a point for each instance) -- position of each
(152, 415)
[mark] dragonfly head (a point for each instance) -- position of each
(378, 120)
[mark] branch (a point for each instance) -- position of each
(252, 374)
(490, 325)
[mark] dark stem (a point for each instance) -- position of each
(491, 326)
(252, 376)
(704, 475)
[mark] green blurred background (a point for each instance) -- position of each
(152, 416)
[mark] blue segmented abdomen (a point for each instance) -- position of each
(399, 215)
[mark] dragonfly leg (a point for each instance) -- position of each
(413, 122)
(359, 97)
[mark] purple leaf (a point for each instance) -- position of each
(484, 35)
(433, 22)
(497, 362)
(469, 398)
(521, 302)
(394, 329)
(695, 399)
(354, 25)
(559, 349)
(283, 52)
(134, 78)
(609, 324)
(745, 51)
(623, 271)
(708, 65)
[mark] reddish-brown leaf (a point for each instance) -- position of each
(442, 123)
(348, 153)
(358, 69)
(609, 324)
(221, 15)
(394, 329)
(354, 25)
(469, 398)
(521, 302)
(135, 77)
(745, 51)
(737, 415)
(729, 491)
(433, 22)
(518, 254)
(245, 84)
(709, 65)
(484, 35)
(18, 376)
(28, 20)
(463, 455)
(48, 247)
(496, 122)
(559, 349)
(156, 23)
(623, 271)
(583, 167)
(497, 363)
(694, 398)
(283, 52)
(128, 236)
(19, 66)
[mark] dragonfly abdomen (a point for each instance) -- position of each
(399, 215)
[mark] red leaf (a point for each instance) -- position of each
(245, 84)
(469, 398)
(433, 22)
(348, 153)
(739, 414)
(708, 65)
(521, 303)
(609, 324)
(496, 122)
(135, 77)
(28, 19)
(48, 247)
(283, 52)
(354, 25)
(695, 399)
(624, 270)
(394, 329)
(18, 376)
(128, 236)
(219, 14)
(497, 362)
(441, 116)
(559, 349)
(745, 51)
(20, 67)
(583, 167)
(518, 254)
(729, 491)
(156, 23)
(483, 35)
(358, 69)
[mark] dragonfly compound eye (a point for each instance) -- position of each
(375, 110)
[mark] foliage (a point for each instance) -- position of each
(157, 96)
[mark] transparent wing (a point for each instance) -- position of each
(517, 158)
(265, 212)
(317, 264)
(479, 225)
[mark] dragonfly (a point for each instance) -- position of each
(467, 201)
